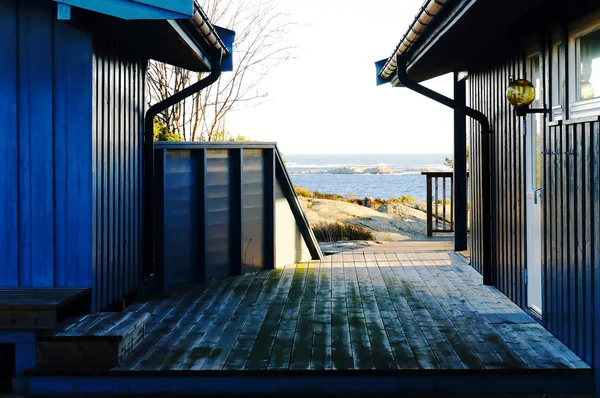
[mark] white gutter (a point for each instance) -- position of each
(424, 18)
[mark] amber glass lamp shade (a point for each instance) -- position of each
(587, 90)
(520, 93)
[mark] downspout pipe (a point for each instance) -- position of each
(153, 111)
(402, 64)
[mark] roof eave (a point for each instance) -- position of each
(205, 39)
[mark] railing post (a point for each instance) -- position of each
(444, 203)
(460, 183)
(429, 207)
(437, 204)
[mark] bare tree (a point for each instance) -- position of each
(261, 44)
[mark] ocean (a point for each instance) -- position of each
(349, 175)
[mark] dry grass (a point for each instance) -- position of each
(337, 231)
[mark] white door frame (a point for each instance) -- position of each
(533, 126)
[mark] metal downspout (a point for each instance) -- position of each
(402, 63)
(148, 232)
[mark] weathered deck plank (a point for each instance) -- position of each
(361, 310)
(284, 341)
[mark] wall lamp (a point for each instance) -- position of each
(521, 93)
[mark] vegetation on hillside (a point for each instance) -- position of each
(378, 202)
(337, 231)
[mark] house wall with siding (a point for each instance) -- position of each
(71, 110)
(570, 204)
(118, 110)
(45, 150)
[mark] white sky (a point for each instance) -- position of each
(325, 100)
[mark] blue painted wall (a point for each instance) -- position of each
(45, 169)
(70, 155)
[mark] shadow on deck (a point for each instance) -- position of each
(355, 323)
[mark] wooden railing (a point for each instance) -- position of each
(440, 209)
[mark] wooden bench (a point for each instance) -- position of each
(43, 308)
(93, 342)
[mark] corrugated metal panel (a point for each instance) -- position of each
(487, 85)
(253, 210)
(182, 201)
(119, 105)
(45, 168)
(218, 213)
(572, 233)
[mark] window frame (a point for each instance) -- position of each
(558, 78)
(580, 108)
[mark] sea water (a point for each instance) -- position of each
(321, 173)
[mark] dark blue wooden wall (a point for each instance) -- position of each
(570, 207)
(45, 150)
(571, 226)
(487, 85)
(71, 111)
(118, 114)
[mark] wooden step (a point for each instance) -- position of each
(44, 308)
(97, 341)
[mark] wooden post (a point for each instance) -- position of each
(429, 207)
(203, 227)
(159, 215)
(269, 215)
(236, 206)
(459, 200)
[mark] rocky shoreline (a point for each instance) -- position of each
(367, 170)
(390, 222)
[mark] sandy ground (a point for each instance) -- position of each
(394, 222)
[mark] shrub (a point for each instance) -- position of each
(405, 199)
(333, 232)
(162, 133)
(330, 196)
(447, 201)
(305, 193)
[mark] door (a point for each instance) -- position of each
(533, 125)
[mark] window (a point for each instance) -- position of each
(584, 62)
(588, 62)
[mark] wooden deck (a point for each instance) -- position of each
(40, 308)
(355, 310)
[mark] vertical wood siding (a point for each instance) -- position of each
(119, 107)
(487, 85)
(45, 151)
(570, 210)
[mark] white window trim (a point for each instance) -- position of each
(557, 58)
(580, 108)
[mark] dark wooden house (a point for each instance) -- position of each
(87, 214)
(535, 226)
(73, 101)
